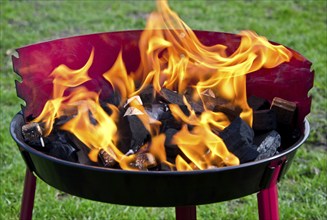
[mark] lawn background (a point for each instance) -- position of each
(300, 25)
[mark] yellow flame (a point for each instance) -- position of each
(177, 59)
(172, 57)
(63, 78)
(117, 76)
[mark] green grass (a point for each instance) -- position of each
(301, 25)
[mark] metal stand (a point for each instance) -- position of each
(185, 212)
(268, 197)
(26, 210)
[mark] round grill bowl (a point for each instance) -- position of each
(290, 81)
(155, 189)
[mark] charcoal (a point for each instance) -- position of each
(196, 106)
(172, 150)
(159, 111)
(269, 145)
(210, 100)
(264, 120)
(57, 145)
(63, 151)
(238, 138)
(170, 122)
(106, 160)
(257, 103)
(32, 133)
(171, 97)
(82, 150)
(207, 98)
(231, 112)
(148, 95)
(62, 120)
(132, 133)
(285, 111)
(145, 161)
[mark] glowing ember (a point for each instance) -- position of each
(172, 58)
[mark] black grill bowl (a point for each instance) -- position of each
(34, 64)
(155, 188)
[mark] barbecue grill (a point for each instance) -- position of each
(183, 190)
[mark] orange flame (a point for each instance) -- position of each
(119, 79)
(63, 78)
(172, 57)
(177, 60)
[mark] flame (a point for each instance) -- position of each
(177, 60)
(63, 78)
(119, 79)
(172, 57)
(92, 125)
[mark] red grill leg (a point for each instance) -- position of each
(185, 212)
(268, 198)
(268, 203)
(28, 196)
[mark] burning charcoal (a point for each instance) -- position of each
(105, 159)
(145, 161)
(62, 120)
(269, 145)
(62, 151)
(172, 97)
(238, 137)
(32, 133)
(158, 111)
(172, 150)
(132, 133)
(257, 103)
(196, 106)
(58, 146)
(148, 95)
(169, 122)
(210, 100)
(264, 120)
(82, 150)
(231, 112)
(285, 111)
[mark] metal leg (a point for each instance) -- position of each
(26, 211)
(268, 197)
(268, 203)
(185, 212)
